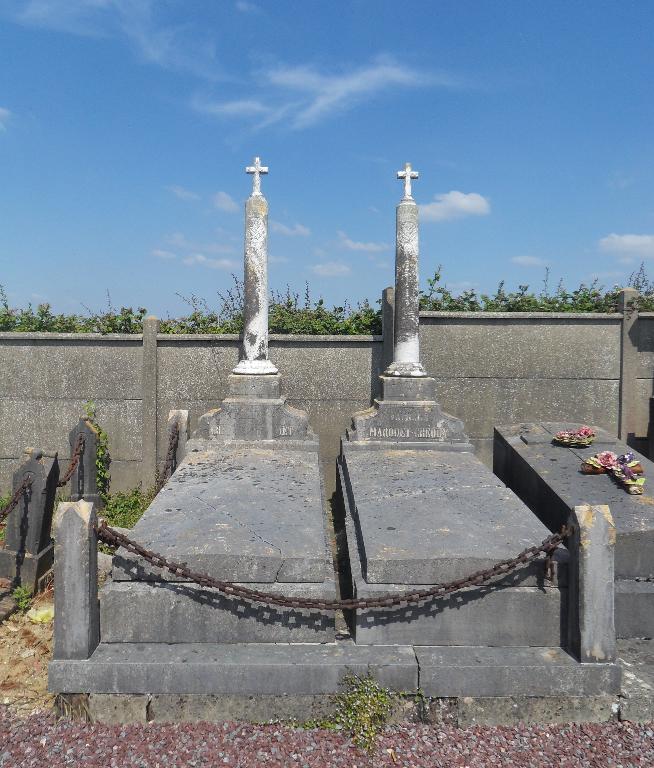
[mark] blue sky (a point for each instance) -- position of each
(125, 127)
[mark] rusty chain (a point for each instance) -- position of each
(173, 442)
(74, 461)
(115, 539)
(13, 501)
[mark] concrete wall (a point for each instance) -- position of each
(490, 368)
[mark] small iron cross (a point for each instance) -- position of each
(407, 174)
(256, 170)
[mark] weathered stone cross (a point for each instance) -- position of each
(407, 174)
(256, 170)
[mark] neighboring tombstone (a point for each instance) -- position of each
(84, 480)
(27, 554)
(178, 420)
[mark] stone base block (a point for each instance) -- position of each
(132, 612)
(636, 658)
(409, 413)
(254, 410)
(494, 616)
(634, 608)
(26, 569)
(511, 710)
(207, 668)
(479, 672)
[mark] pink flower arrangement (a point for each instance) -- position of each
(607, 459)
(580, 437)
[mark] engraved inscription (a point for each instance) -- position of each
(431, 433)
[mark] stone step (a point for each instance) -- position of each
(478, 671)
(634, 608)
(140, 612)
(309, 669)
(209, 668)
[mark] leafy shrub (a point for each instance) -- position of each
(102, 456)
(289, 314)
(23, 598)
(362, 709)
(585, 298)
(125, 508)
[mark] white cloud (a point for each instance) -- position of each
(182, 193)
(529, 261)
(455, 205)
(277, 259)
(628, 245)
(238, 108)
(329, 94)
(294, 231)
(331, 269)
(246, 7)
(353, 245)
(225, 202)
(302, 96)
(194, 259)
(165, 255)
(184, 47)
(5, 114)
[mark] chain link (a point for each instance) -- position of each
(115, 539)
(13, 501)
(74, 461)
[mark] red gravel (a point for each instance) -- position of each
(42, 741)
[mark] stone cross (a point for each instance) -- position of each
(406, 346)
(407, 174)
(254, 353)
(256, 170)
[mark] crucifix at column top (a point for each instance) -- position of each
(407, 174)
(256, 170)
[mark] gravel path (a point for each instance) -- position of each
(42, 741)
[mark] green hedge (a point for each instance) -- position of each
(291, 314)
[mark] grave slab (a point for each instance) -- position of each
(240, 514)
(429, 516)
(547, 478)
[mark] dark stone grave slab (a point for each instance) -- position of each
(548, 479)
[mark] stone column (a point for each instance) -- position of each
(591, 625)
(406, 349)
(149, 404)
(254, 356)
(628, 364)
(77, 612)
